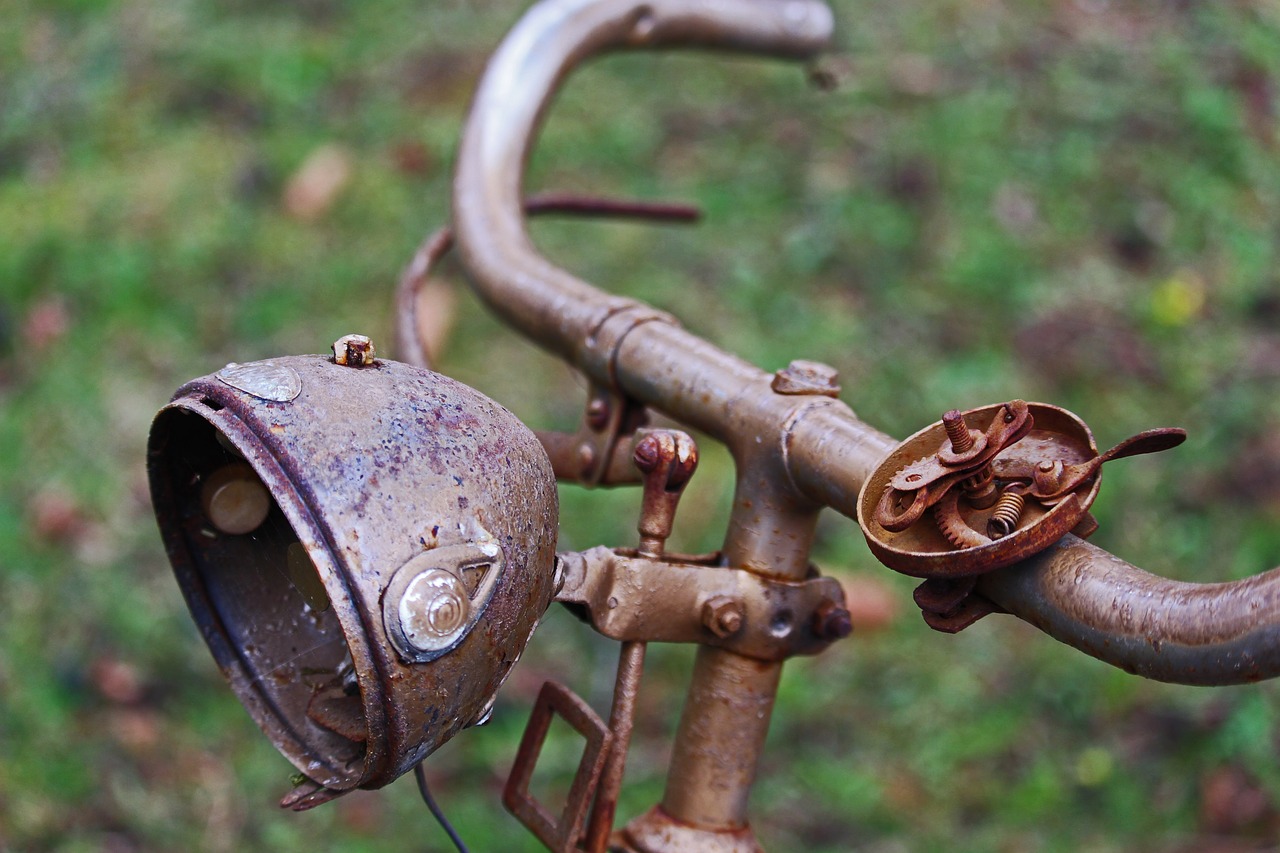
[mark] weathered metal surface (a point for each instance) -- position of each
(626, 691)
(802, 378)
(559, 833)
(666, 459)
(950, 605)
(718, 743)
(410, 346)
(658, 832)
(627, 596)
(553, 37)
(792, 451)
(609, 424)
(998, 494)
(948, 542)
(317, 662)
(368, 469)
(1185, 633)
(575, 458)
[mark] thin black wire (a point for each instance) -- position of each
(421, 776)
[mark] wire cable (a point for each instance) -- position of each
(420, 774)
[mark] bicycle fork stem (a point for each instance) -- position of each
(730, 701)
(721, 735)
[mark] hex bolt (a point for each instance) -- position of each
(831, 621)
(354, 351)
(722, 616)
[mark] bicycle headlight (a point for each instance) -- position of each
(366, 551)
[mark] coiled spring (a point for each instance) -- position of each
(1006, 515)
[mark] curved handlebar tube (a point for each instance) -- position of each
(1184, 633)
(1221, 633)
(618, 342)
(551, 306)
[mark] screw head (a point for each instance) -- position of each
(598, 413)
(433, 610)
(802, 377)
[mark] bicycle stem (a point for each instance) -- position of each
(794, 454)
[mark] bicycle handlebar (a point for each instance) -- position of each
(550, 305)
(1083, 596)
(1184, 633)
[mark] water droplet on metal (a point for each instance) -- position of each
(275, 382)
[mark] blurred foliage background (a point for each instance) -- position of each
(1075, 201)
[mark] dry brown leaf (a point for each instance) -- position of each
(873, 604)
(1231, 801)
(46, 323)
(55, 518)
(117, 681)
(317, 183)
(436, 310)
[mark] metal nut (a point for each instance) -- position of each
(831, 621)
(722, 616)
(354, 351)
(802, 377)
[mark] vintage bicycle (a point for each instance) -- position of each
(367, 546)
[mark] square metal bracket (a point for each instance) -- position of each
(560, 835)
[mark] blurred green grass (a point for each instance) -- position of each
(1069, 201)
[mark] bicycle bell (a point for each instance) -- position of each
(366, 547)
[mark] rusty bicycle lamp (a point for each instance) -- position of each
(365, 546)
